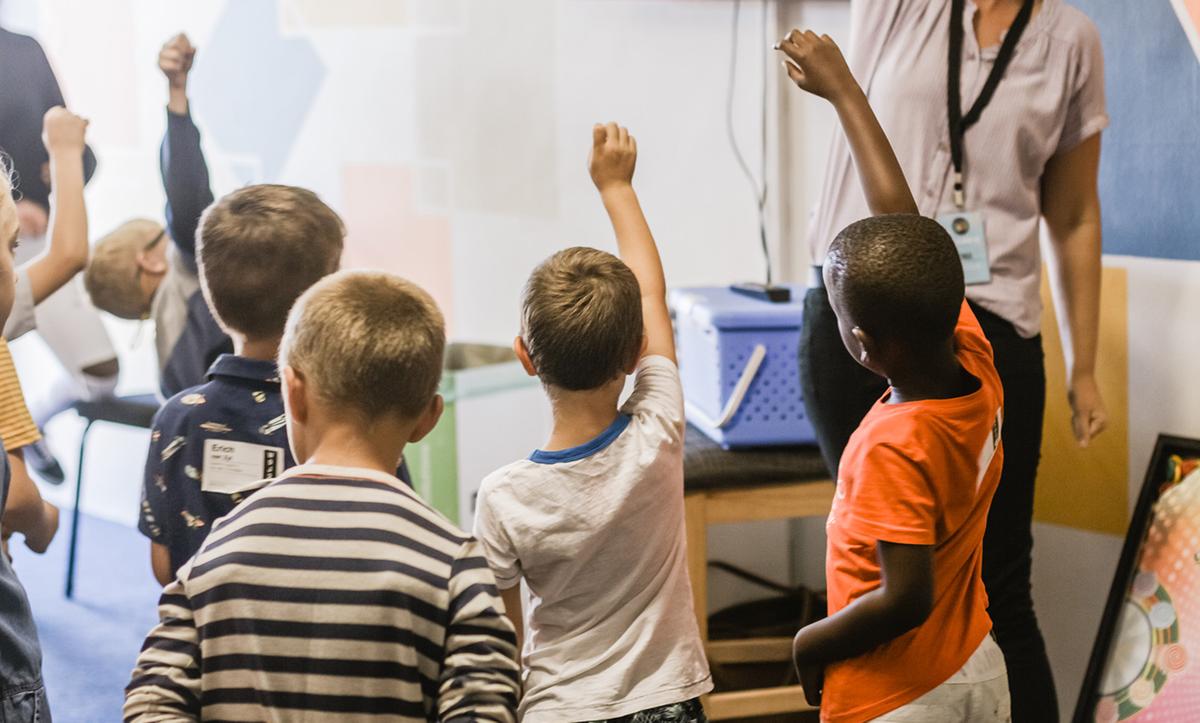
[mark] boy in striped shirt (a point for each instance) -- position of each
(335, 592)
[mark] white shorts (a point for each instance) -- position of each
(978, 692)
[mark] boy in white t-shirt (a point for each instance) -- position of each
(593, 523)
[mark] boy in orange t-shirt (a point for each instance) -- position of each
(908, 635)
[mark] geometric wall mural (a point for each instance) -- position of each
(1150, 165)
(255, 87)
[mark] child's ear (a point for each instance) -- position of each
(429, 419)
(867, 351)
(522, 353)
(632, 365)
(295, 395)
(151, 264)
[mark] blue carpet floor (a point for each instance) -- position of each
(89, 644)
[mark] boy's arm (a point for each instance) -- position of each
(184, 170)
(515, 614)
(67, 254)
(160, 563)
(166, 678)
(817, 66)
(155, 519)
(614, 155)
(902, 602)
(496, 546)
(480, 678)
(26, 512)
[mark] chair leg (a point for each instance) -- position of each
(70, 591)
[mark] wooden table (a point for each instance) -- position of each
(745, 486)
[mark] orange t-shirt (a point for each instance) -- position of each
(917, 473)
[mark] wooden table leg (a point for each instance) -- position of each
(695, 510)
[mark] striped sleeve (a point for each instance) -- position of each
(17, 428)
(480, 678)
(166, 679)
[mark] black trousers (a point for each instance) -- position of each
(838, 392)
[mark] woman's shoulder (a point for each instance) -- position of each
(1071, 25)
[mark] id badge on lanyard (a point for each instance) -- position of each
(967, 230)
(966, 227)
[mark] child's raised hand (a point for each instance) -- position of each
(63, 131)
(175, 60)
(815, 64)
(613, 156)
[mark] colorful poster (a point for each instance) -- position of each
(1153, 668)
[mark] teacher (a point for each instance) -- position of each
(995, 109)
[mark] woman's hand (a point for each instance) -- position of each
(1088, 414)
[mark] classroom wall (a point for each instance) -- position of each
(451, 135)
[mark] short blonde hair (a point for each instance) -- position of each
(581, 318)
(368, 342)
(6, 173)
(111, 275)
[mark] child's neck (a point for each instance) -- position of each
(378, 446)
(936, 375)
(580, 417)
(256, 348)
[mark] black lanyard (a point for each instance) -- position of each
(959, 123)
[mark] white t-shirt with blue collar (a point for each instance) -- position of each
(597, 533)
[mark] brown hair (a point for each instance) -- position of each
(369, 342)
(582, 318)
(111, 275)
(259, 249)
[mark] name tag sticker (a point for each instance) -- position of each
(990, 446)
(232, 467)
(966, 229)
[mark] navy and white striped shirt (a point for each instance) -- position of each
(331, 592)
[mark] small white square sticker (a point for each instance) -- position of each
(231, 467)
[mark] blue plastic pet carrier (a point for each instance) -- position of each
(738, 360)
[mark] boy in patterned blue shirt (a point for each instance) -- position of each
(260, 248)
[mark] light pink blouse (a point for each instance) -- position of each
(1050, 100)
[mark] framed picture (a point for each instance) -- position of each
(1145, 664)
